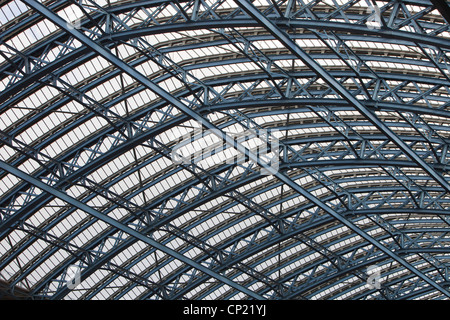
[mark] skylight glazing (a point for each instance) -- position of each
(360, 112)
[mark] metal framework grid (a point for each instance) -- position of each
(94, 95)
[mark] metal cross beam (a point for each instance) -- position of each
(82, 206)
(443, 8)
(290, 44)
(230, 141)
(284, 38)
(124, 67)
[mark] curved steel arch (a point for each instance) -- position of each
(363, 169)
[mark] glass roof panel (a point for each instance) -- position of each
(103, 137)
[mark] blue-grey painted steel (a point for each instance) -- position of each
(288, 42)
(393, 203)
(302, 55)
(82, 206)
(280, 35)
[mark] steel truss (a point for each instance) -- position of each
(91, 112)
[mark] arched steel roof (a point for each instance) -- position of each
(97, 96)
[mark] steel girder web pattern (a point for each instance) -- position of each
(224, 149)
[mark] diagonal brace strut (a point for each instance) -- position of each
(284, 38)
(120, 226)
(230, 141)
